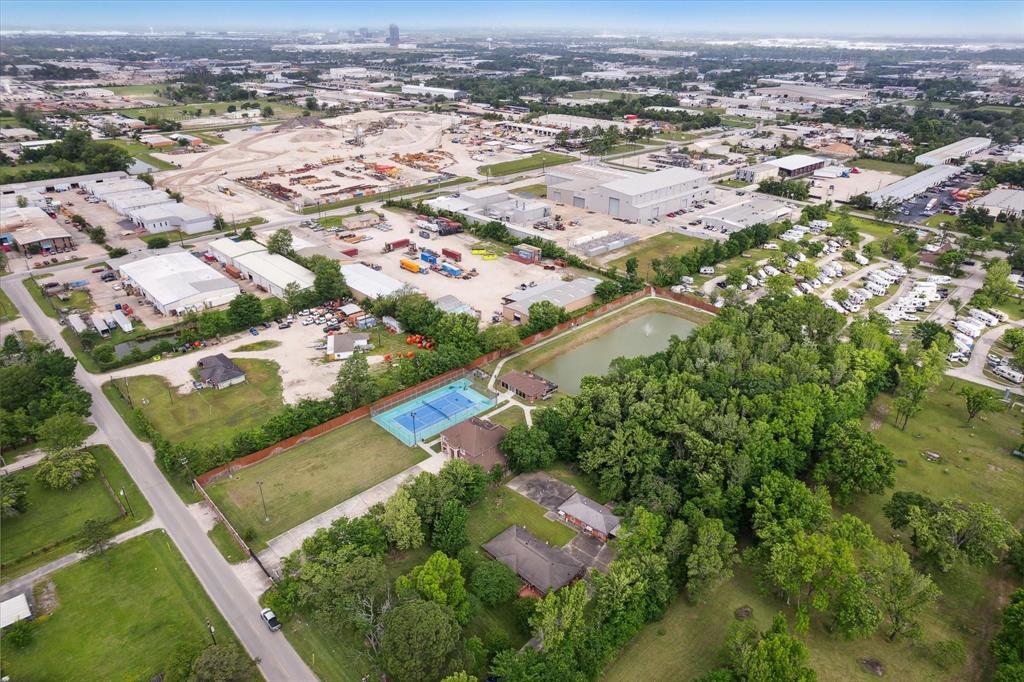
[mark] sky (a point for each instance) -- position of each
(826, 18)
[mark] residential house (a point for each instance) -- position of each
(589, 516)
(475, 440)
(343, 346)
(527, 385)
(220, 372)
(541, 566)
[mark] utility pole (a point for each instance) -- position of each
(266, 517)
(213, 634)
(127, 503)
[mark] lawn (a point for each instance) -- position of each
(748, 257)
(8, 311)
(226, 545)
(1013, 307)
(624, 148)
(9, 172)
(940, 220)
(658, 246)
(533, 162)
(185, 112)
(336, 220)
(55, 517)
(567, 341)
(79, 300)
(676, 136)
(732, 182)
(311, 478)
(503, 507)
(147, 91)
(875, 228)
(258, 345)
(209, 415)
(567, 473)
(737, 122)
(143, 152)
(893, 167)
(538, 190)
(602, 94)
(122, 616)
(509, 416)
(383, 196)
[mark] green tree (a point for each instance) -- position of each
(902, 593)
(402, 525)
(1008, 644)
(449, 534)
(782, 505)
(807, 270)
(840, 295)
(467, 480)
(711, 558)
(245, 310)
(63, 431)
(94, 537)
(527, 449)
(280, 242)
(950, 262)
(221, 663)
(13, 496)
(353, 386)
(247, 234)
(20, 634)
(158, 242)
(952, 531)
(66, 468)
(779, 656)
(494, 583)
(420, 642)
(779, 285)
(997, 280)
(929, 333)
(544, 315)
(978, 400)
(439, 580)
(853, 462)
(501, 336)
(607, 291)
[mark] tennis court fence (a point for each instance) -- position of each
(385, 404)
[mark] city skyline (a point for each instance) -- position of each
(927, 19)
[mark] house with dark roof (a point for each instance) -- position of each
(541, 566)
(589, 516)
(475, 440)
(527, 385)
(220, 372)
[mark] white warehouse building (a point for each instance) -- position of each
(172, 216)
(272, 272)
(125, 204)
(953, 153)
(176, 281)
(226, 250)
(636, 198)
(428, 91)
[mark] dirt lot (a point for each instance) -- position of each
(100, 214)
(857, 183)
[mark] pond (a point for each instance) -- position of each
(123, 349)
(640, 336)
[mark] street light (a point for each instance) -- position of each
(266, 517)
(127, 503)
(213, 634)
(414, 438)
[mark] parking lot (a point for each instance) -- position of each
(917, 209)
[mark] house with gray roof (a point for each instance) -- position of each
(589, 516)
(541, 566)
(220, 372)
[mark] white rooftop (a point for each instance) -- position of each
(172, 277)
(168, 210)
(14, 609)
(794, 161)
(651, 182)
(276, 269)
(233, 249)
(369, 282)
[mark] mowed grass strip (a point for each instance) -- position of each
(120, 616)
(893, 167)
(532, 162)
(311, 478)
(658, 246)
(209, 415)
(503, 507)
(48, 528)
(8, 311)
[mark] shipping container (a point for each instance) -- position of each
(450, 269)
(428, 257)
(350, 252)
(397, 244)
(410, 265)
(451, 253)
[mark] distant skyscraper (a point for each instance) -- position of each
(393, 38)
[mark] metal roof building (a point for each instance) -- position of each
(273, 272)
(952, 153)
(169, 216)
(571, 296)
(177, 281)
(910, 187)
(227, 250)
(1009, 201)
(369, 283)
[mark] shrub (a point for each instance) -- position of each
(494, 583)
(949, 654)
(21, 634)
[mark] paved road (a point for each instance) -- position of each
(278, 661)
(973, 370)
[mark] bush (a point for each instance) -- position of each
(21, 634)
(494, 583)
(158, 243)
(524, 608)
(949, 654)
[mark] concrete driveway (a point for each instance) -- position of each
(590, 552)
(542, 488)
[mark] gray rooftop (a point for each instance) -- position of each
(595, 515)
(542, 566)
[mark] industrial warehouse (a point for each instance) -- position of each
(174, 281)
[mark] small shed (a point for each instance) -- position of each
(14, 609)
(527, 253)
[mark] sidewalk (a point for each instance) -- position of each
(25, 582)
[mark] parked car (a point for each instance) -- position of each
(270, 620)
(254, 331)
(284, 325)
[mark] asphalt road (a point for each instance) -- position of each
(278, 661)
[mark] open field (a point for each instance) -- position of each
(208, 415)
(311, 478)
(601, 94)
(658, 246)
(415, 189)
(8, 312)
(55, 517)
(147, 91)
(510, 416)
(503, 507)
(676, 136)
(893, 167)
(875, 228)
(258, 345)
(538, 190)
(9, 172)
(568, 341)
(121, 616)
(732, 182)
(226, 545)
(940, 220)
(143, 152)
(1014, 307)
(184, 112)
(79, 301)
(532, 162)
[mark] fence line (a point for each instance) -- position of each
(432, 383)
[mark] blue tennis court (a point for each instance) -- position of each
(428, 415)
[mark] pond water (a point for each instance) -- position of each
(122, 349)
(640, 336)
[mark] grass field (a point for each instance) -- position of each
(875, 228)
(602, 94)
(624, 148)
(184, 112)
(737, 122)
(567, 473)
(677, 136)
(147, 91)
(538, 190)
(573, 339)
(510, 416)
(748, 257)
(143, 152)
(79, 300)
(939, 220)
(529, 163)
(503, 507)
(658, 246)
(976, 466)
(209, 415)
(383, 196)
(120, 616)
(48, 528)
(893, 167)
(9, 172)
(8, 312)
(311, 478)
(732, 182)
(258, 345)
(226, 545)
(1013, 307)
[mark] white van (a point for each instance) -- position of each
(1009, 373)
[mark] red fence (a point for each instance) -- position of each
(361, 412)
